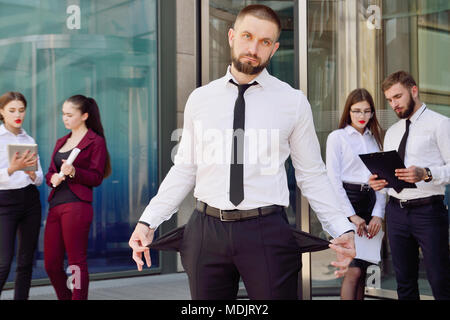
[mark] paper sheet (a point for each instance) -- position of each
(369, 249)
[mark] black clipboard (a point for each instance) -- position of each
(384, 164)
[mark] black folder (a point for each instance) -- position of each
(384, 164)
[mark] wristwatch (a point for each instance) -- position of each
(429, 176)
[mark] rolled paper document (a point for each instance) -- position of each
(73, 155)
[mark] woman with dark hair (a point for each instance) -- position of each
(70, 202)
(20, 206)
(358, 133)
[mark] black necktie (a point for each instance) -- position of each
(237, 151)
(402, 146)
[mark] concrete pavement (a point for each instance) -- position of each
(152, 287)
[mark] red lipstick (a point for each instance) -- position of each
(362, 122)
(18, 121)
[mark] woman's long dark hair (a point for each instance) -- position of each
(93, 122)
(356, 96)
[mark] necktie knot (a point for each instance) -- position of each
(408, 123)
(243, 87)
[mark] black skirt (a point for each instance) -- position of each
(362, 199)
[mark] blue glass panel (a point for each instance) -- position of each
(112, 58)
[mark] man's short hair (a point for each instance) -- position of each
(402, 77)
(262, 12)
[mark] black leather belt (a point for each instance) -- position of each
(356, 187)
(417, 202)
(236, 215)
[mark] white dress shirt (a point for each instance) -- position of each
(344, 165)
(278, 123)
(18, 179)
(428, 145)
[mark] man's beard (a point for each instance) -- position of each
(247, 68)
(409, 110)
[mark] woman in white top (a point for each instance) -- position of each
(358, 133)
(20, 207)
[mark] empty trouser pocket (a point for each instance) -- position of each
(171, 241)
(306, 242)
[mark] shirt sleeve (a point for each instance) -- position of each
(441, 174)
(311, 174)
(39, 175)
(380, 205)
(334, 169)
(180, 179)
(4, 176)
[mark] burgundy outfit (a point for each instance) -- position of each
(68, 224)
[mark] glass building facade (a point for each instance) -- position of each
(107, 50)
(328, 48)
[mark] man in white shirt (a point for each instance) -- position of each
(417, 217)
(239, 227)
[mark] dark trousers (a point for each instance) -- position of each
(20, 215)
(262, 251)
(67, 230)
(425, 227)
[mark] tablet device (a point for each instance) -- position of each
(21, 149)
(384, 164)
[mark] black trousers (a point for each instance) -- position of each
(20, 215)
(262, 251)
(425, 227)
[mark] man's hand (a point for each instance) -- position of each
(412, 174)
(360, 224)
(345, 251)
(140, 239)
(374, 226)
(377, 184)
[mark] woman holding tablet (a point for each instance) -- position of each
(20, 206)
(70, 214)
(358, 133)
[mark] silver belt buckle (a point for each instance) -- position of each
(364, 188)
(402, 202)
(222, 218)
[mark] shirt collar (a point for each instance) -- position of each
(418, 113)
(3, 131)
(350, 130)
(263, 78)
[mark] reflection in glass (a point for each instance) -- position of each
(343, 54)
(113, 58)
